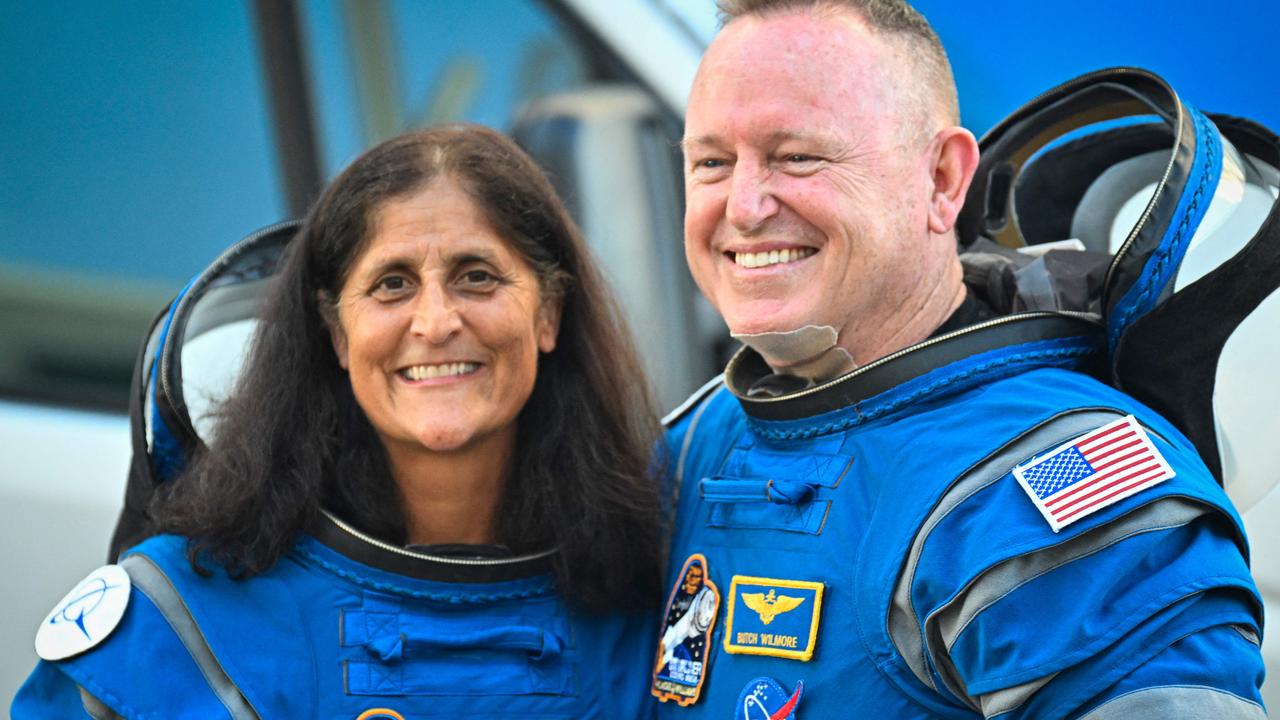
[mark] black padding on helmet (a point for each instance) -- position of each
(1168, 358)
(163, 434)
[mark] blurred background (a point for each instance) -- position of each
(139, 138)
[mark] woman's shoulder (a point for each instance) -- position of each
(167, 551)
(123, 637)
(151, 630)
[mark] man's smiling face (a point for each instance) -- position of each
(807, 182)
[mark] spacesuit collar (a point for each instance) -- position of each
(455, 566)
(939, 354)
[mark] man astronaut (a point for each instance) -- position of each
(962, 522)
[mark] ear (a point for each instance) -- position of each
(548, 320)
(337, 336)
(955, 159)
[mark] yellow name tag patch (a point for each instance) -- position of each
(778, 618)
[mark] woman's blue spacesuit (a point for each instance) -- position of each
(347, 627)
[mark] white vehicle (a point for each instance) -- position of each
(142, 139)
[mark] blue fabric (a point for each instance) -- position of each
(166, 452)
(1214, 656)
(1097, 602)
(323, 636)
(124, 672)
(877, 470)
(47, 694)
(1160, 269)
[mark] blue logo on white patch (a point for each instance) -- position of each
(86, 616)
(764, 699)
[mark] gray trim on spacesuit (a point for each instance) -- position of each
(945, 626)
(95, 708)
(1248, 634)
(674, 416)
(688, 436)
(148, 578)
(1011, 698)
(997, 582)
(1192, 702)
(904, 626)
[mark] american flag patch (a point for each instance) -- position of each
(1093, 471)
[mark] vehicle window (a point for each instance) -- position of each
(137, 145)
(142, 139)
(384, 67)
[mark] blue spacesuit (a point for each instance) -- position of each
(886, 544)
(345, 627)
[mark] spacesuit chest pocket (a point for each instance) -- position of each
(762, 488)
(394, 652)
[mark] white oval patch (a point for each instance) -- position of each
(86, 616)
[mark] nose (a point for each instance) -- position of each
(435, 315)
(751, 202)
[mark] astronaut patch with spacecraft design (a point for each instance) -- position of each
(778, 618)
(685, 643)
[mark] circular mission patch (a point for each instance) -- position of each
(86, 616)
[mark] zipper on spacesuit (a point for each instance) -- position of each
(1018, 317)
(433, 558)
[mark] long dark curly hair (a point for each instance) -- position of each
(291, 439)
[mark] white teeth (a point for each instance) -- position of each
(771, 257)
(428, 372)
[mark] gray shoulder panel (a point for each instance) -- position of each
(949, 621)
(903, 623)
(95, 708)
(698, 395)
(704, 394)
(1177, 701)
(151, 580)
(1002, 701)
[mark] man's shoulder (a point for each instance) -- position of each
(1071, 562)
(703, 417)
(1039, 386)
(691, 403)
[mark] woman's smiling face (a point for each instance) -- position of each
(439, 324)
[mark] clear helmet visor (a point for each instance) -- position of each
(1246, 389)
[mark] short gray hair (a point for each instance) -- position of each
(890, 18)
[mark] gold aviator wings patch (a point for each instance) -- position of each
(772, 605)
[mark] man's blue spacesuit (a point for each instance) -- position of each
(346, 627)
(877, 556)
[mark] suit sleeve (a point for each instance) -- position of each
(50, 695)
(1146, 605)
(1188, 650)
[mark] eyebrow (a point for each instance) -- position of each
(403, 261)
(773, 138)
(463, 257)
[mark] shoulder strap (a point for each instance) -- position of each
(147, 577)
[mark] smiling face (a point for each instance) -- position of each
(439, 326)
(808, 183)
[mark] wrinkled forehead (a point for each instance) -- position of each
(800, 60)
